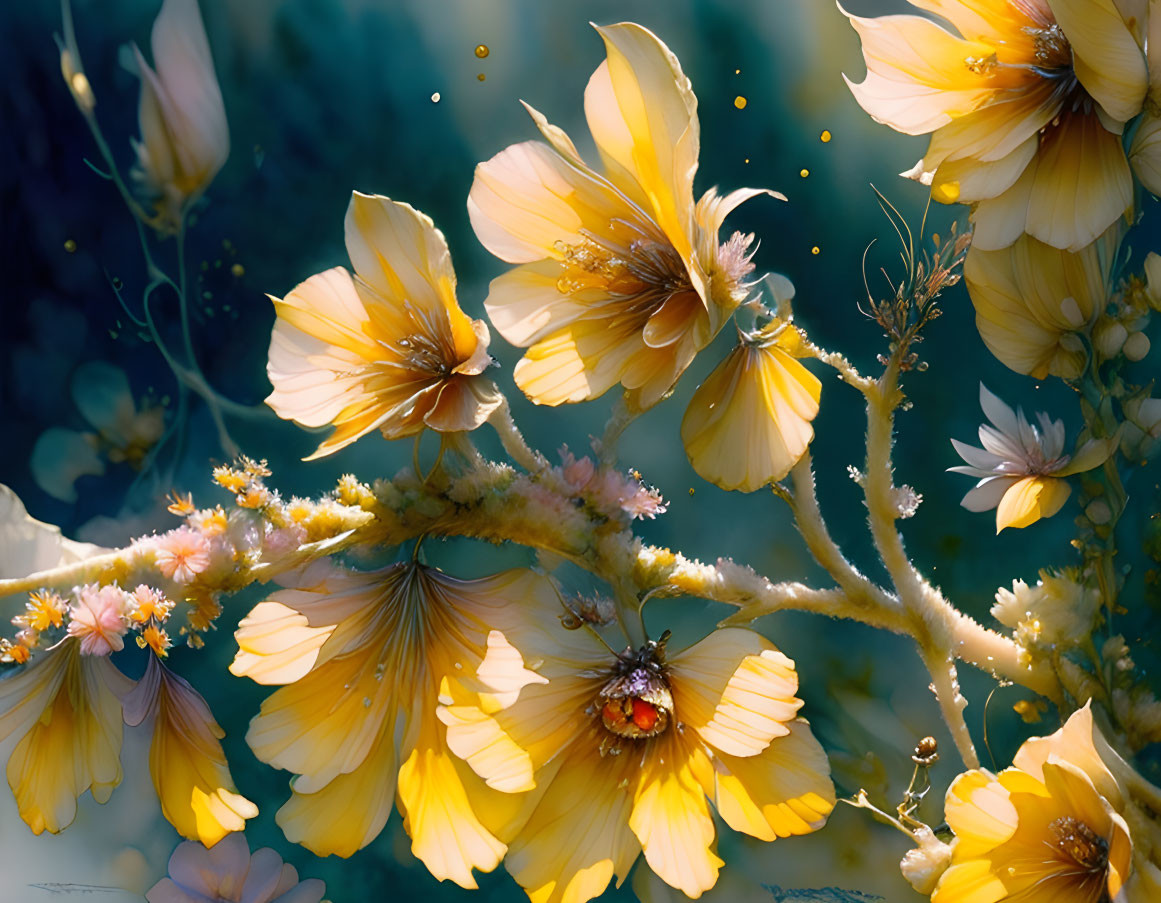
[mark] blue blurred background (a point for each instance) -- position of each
(326, 96)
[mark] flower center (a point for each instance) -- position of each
(1051, 47)
(638, 270)
(635, 701)
(1081, 844)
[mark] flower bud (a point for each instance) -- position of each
(77, 82)
(1136, 346)
(924, 865)
(1109, 337)
(1153, 279)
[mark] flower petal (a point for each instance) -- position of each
(659, 111)
(578, 837)
(1105, 55)
(1030, 499)
(736, 690)
(784, 790)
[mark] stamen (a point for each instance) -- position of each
(1081, 844)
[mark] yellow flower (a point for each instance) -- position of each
(1021, 467)
(1056, 826)
(66, 709)
(622, 279)
(389, 349)
(1031, 297)
(367, 657)
(624, 750)
(184, 136)
(749, 422)
(1025, 108)
(186, 761)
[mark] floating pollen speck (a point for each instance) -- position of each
(435, 97)
(238, 270)
(480, 77)
(482, 50)
(815, 250)
(804, 173)
(825, 136)
(737, 72)
(70, 246)
(691, 490)
(740, 102)
(746, 160)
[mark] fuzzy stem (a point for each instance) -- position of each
(513, 440)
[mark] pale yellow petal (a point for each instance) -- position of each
(1082, 184)
(973, 881)
(783, 791)
(659, 111)
(1145, 151)
(445, 832)
(1030, 499)
(276, 645)
(1075, 742)
(399, 253)
(349, 812)
(735, 689)
(578, 838)
(916, 78)
(671, 819)
(750, 421)
(1105, 55)
(528, 199)
(979, 811)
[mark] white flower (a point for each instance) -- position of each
(1021, 466)
(1058, 609)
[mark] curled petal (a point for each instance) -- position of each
(749, 422)
(1029, 499)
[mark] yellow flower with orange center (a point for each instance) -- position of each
(749, 422)
(389, 349)
(627, 751)
(66, 709)
(186, 759)
(621, 276)
(367, 657)
(1056, 826)
(1025, 107)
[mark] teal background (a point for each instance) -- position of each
(324, 97)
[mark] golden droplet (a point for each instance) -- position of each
(737, 72)
(238, 270)
(804, 173)
(70, 246)
(480, 77)
(747, 160)
(740, 102)
(482, 50)
(825, 136)
(815, 250)
(435, 97)
(691, 490)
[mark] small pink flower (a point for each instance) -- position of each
(283, 541)
(99, 619)
(577, 473)
(182, 554)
